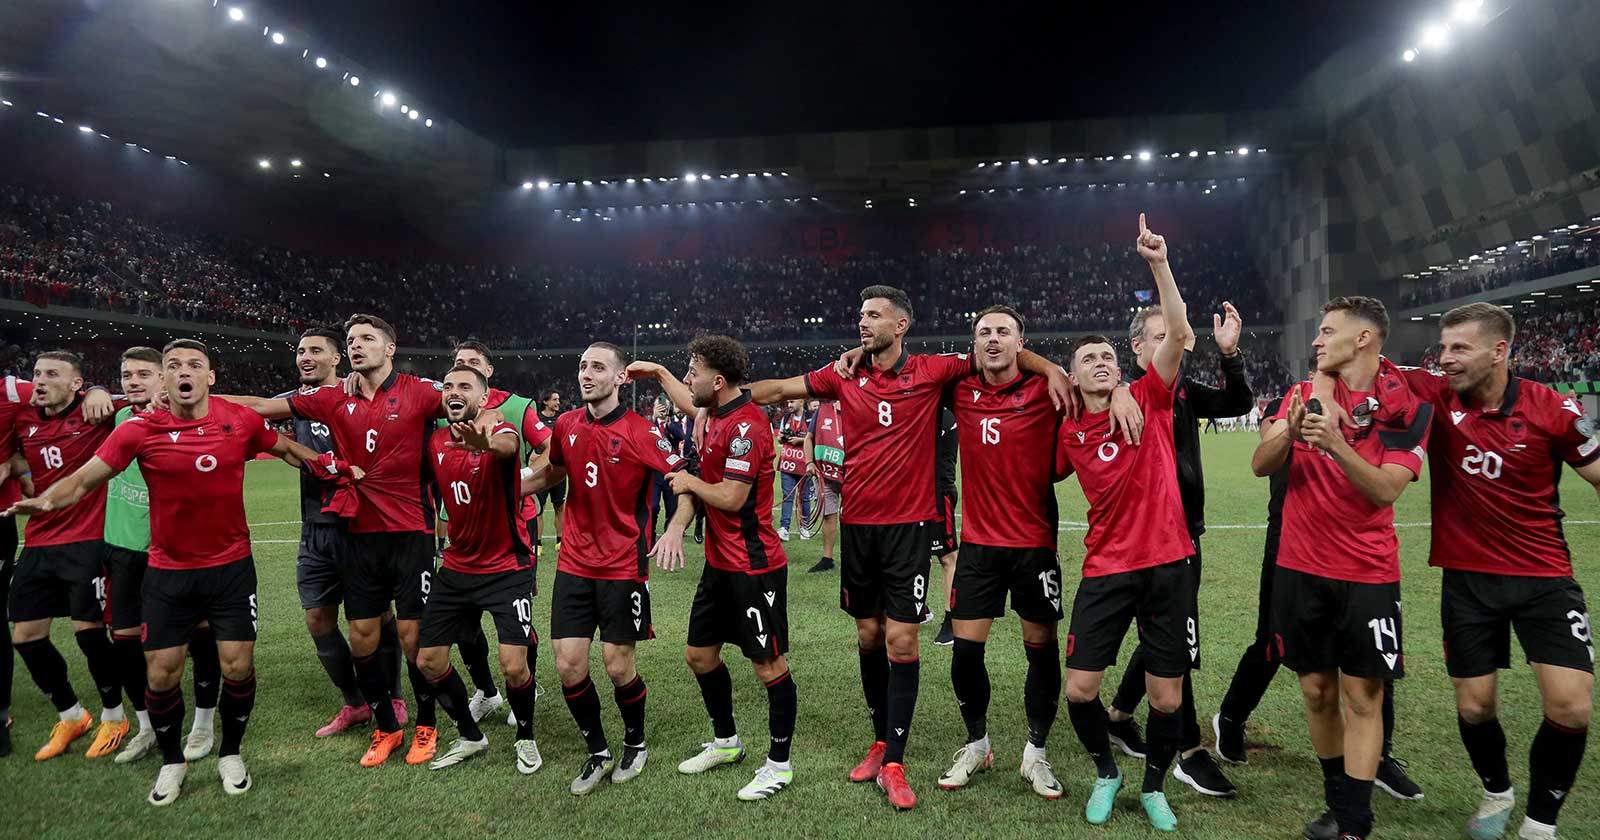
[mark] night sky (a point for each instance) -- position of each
(525, 73)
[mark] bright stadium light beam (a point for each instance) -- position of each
(1408, 56)
(295, 163)
(277, 38)
(1436, 36)
(428, 122)
(1467, 11)
(355, 81)
(1144, 155)
(85, 129)
(264, 163)
(235, 14)
(322, 63)
(413, 114)
(544, 185)
(527, 185)
(388, 99)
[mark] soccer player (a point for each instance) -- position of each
(555, 498)
(743, 597)
(127, 535)
(535, 440)
(389, 538)
(891, 406)
(318, 565)
(1497, 445)
(824, 450)
(1136, 563)
(1009, 527)
(1194, 401)
(791, 433)
(1336, 591)
(945, 543)
(488, 567)
(192, 456)
(603, 569)
(61, 570)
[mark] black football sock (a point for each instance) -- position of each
(166, 717)
(422, 687)
(1332, 781)
(1163, 731)
(521, 699)
(131, 668)
(970, 678)
(1041, 693)
(374, 680)
(238, 699)
(102, 660)
(716, 689)
(1553, 766)
(1188, 717)
(475, 655)
(334, 654)
(583, 700)
(452, 695)
(783, 706)
(1388, 717)
(875, 685)
(1354, 811)
(1486, 748)
(904, 680)
(393, 656)
(1130, 692)
(49, 672)
(1250, 682)
(630, 702)
(207, 668)
(1090, 722)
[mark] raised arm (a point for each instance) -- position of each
(536, 479)
(1169, 355)
(68, 491)
(272, 408)
(769, 391)
(671, 385)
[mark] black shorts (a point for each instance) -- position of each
(1160, 600)
(175, 600)
(884, 569)
(52, 581)
(387, 566)
(1322, 624)
(1478, 610)
(751, 611)
(620, 609)
(124, 595)
(458, 601)
(318, 570)
(984, 574)
(942, 534)
(555, 494)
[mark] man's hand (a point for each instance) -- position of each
(646, 370)
(1226, 328)
(1151, 246)
(682, 481)
(41, 504)
(668, 550)
(468, 437)
(848, 361)
(352, 384)
(1296, 416)
(1125, 415)
(357, 473)
(487, 419)
(1322, 432)
(97, 407)
(1062, 395)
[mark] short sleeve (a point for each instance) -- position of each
(262, 437)
(745, 457)
(824, 382)
(945, 368)
(427, 394)
(1151, 392)
(558, 456)
(534, 431)
(1573, 431)
(655, 450)
(1426, 385)
(122, 446)
(316, 405)
(1407, 445)
(1063, 464)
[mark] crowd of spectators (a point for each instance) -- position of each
(1558, 342)
(1570, 257)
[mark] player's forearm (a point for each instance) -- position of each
(540, 459)
(542, 479)
(1380, 487)
(676, 391)
(684, 515)
(505, 445)
(268, 407)
(1169, 355)
(294, 454)
(727, 495)
(769, 391)
(1272, 452)
(1036, 364)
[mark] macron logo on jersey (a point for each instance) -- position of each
(744, 429)
(1458, 416)
(174, 436)
(350, 408)
(572, 440)
(862, 382)
(441, 456)
(31, 430)
(975, 395)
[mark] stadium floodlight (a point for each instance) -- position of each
(734, 175)
(59, 121)
(413, 114)
(355, 81)
(1409, 56)
(1144, 155)
(527, 185)
(326, 175)
(1033, 161)
(404, 108)
(543, 184)
(1467, 11)
(588, 183)
(235, 14)
(264, 163)
(388, 99)
(277, 38)
(1436, 36)
(1061, 160)
(428, 122)
(295, 163)
(1194, 153)
(1127, 157)
(85, 129)
(5, 102)
(322, 63)
(766, 174)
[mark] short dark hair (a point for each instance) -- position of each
(186, 344)
(371, 321)
(67, 356)
(1000, 309)
(1141, 318)
(332, 336)
(475, 346)
(1491, 319)
(483, 381)
(623, 359)
(1368, 309)
(142, 354)
(1088, 340)
(896, 298)
(548, 393)
(723, 355)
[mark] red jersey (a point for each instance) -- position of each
(737, 447)
(534, 434)
(827, 442)
(891, 415)
(791, 456)
(1496, 508)
(385, 437)
(480, 491)
(1008, 493)
(1329, 528)
(610, 463)
(1136, 516)
(15, 394)
(56, 447)
(195, 472)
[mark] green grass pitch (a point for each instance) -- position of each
(308, 787)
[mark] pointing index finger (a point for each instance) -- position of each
(1142, 228)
